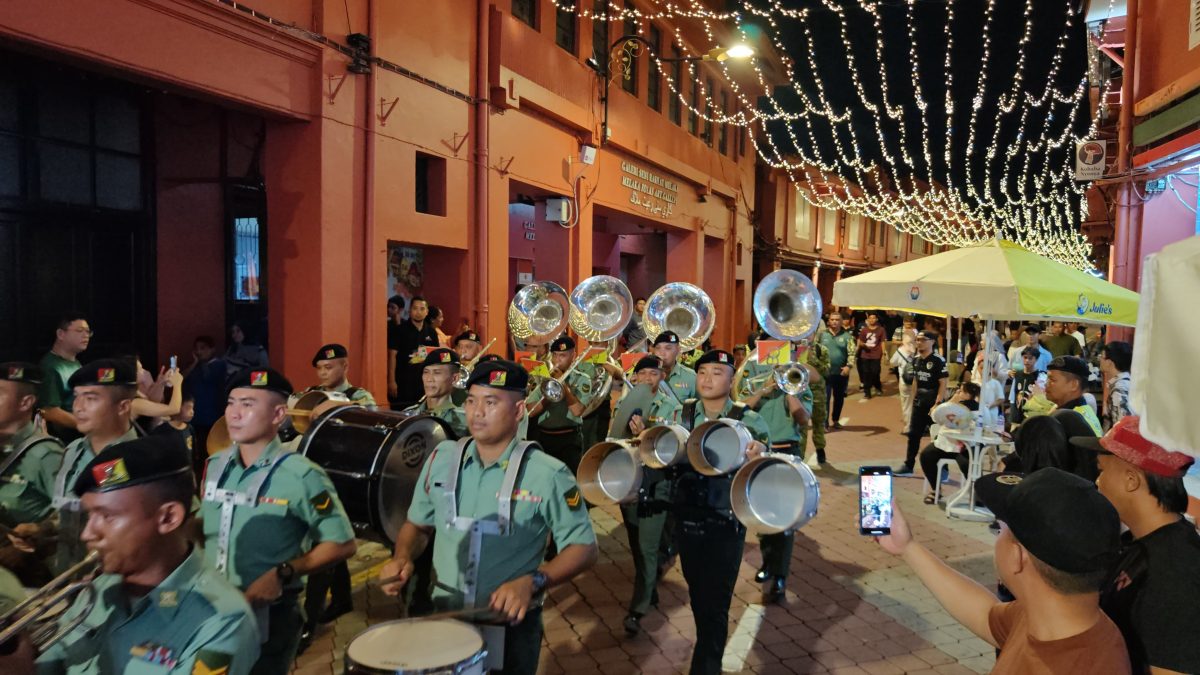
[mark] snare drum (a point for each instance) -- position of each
(428, 647)
(373, 458)
(775, 493)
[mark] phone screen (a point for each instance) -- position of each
(875, 500)
(174, 362)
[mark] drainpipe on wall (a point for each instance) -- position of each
(371, 281)
(1123, 256)
(480, 242)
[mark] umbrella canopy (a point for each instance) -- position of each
(996, 279)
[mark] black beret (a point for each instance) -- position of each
(142, 460)
(500, 374)
(666, 338)
(562, 344)
(20, 371)
(440, 357)
(111, 372)
(260, 378)
(1073, 365)
(488, 357)
(330, 351)
(648, 362)
(469, 335)
(715, 356)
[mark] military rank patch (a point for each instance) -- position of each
(110, 473)
(574, 499)
(104, 375)
(323, 502)
(211, 662)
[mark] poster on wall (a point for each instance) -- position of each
(406, 272)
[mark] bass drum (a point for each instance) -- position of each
(374, 458)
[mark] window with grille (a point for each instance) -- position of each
(693, 118)
(630, 81)
(723, 139)
(525, 11)
(708, 111)
(600, 42)
(654, 78)
(247, 262)
(674, 107)
(564, 25)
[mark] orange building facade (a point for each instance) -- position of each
(288, 180)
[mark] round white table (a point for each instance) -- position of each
(975, 445)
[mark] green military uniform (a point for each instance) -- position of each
(27, 479)
(785, 438)
(11, 591)
(70, 515)
(818, 358)
(558, 430)
(457, 494)
(192, 622)
(54, 392)
(681, 381)
(357, 395)
(277, 509)
(646, 520)
(448, 412)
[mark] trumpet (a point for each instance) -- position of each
(788, 307)
(38, 614)
(465, 369)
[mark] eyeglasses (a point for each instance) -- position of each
(86, 332)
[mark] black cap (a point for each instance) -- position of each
(1033, 328)
(648, 362)
(440, 357)
(20, 371)
(330, 351)
(715, 356)
(137, 462)
(562, 344)
(108, 372)
(1073, 365)
(260, 378)
(928, 334)
(487, 358)
(666, 338)
(1062, 519)
(499, 374)
(470, 335)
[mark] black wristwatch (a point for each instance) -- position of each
(285, 572)
(540, 580)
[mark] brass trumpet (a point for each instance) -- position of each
(38, 614)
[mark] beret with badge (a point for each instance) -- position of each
(440, 357)
(470, 336)
(648, 362)
(666, 338)
(105, 372)
(715, 356)
(330, 351)
(267, 379)
(500, 374)
(20, 371)
(562, 344)
(137, 462)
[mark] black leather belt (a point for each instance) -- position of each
(558, 432)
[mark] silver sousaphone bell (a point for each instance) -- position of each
(788, 307)
(600, 308)
(775, 493)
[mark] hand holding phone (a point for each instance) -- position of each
(875, 500)
(174, 362)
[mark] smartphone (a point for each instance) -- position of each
(174, 362)
(875, 500)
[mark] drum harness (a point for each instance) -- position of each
(231, 499)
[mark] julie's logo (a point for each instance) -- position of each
(1083, 307)
(914, 292)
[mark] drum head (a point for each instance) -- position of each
(773, 495)
(415, 646)
(411, 445)
(718, 447)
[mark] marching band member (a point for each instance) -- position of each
(467, 346)
(270, 517)
(457, 495)
(437, 377)
(332, 364)
(680, 379)
(559, 429)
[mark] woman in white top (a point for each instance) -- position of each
(902, 361)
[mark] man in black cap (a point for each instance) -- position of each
(271, 517)
(468, 346)
(1066, 380)
(29, 461)
(929, 389)
(710, 538)
(1054, 566)
(559, 428)
(437, 377)
(332, 364)
(495, 501)
(680, 380)
(156, 602)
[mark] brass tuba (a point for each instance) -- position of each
(683, 309)
(600, 308)
(788, 307)
(538, 313)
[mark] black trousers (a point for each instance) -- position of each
(918, 424)
(930, 457)
(835, 393)
(284, 622)
(523, 645)
(868, 373)
(710, 553)
(335, 578)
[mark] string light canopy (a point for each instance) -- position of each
(955, 120)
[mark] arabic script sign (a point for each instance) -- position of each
(650, 191)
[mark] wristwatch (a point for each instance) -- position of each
(285, 572)
(540, 580)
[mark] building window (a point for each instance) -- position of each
(693, 118)
(854, 232)
(564, 26)
(829, 227)
(708, 111)
(803, 219)
(247, 262)
(630, 83)
(918, 245)
(742, 141)
(430, 184)
(654, 78)
(600, 33)
(897, 244)
(723, 142)
(526, 11)
(674, 107)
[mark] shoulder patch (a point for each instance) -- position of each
(323, 502)
(212, 662)
(574, 499)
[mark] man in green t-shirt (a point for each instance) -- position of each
(1060, 342)
(71, 338)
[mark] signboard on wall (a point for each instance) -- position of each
(649, 191)
(1089, 159)
(405, 272)
(1193, 24)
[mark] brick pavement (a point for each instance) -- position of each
(850, 607)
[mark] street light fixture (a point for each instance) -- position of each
(631, 46)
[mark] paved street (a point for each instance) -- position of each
(850, 607)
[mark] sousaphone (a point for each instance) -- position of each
(788, 307)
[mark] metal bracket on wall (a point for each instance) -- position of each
(383, 115)
(502, 167)
(456, 143)
(331, 89)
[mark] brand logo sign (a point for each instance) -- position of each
(914, 292)
(1083, 307)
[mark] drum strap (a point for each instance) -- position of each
(60, 500)
(20, 450)
(231, 499)
(499, 527)
(689, 412)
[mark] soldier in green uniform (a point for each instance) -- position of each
(103, 392)
(332, 364)
(489, 551)
(29, 461)
(270, 517)
(680, 379)
(467, 346)
(559, 424)
(646, 519)
(437, 377)
(158, 608)
(786, 415)
(710, 539)
(71, 338)
(817, 359)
